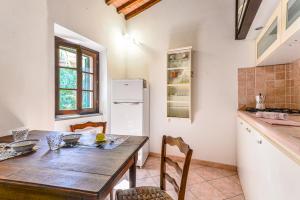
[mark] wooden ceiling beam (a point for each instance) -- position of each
(141, 9)
(126, 5)
(108, 2)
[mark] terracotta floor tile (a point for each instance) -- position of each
(146, 182)
(169, 186)
(152, 161)
(194, 178)
(239, 197)
(204, 183)
(170, 168)
(142, 173)
(226, 172)
(235, 179)
(152, 171)
(205, 191)
(195, 166)
(156, 179)
(227, 186)
(172, 193)
(209, 173)
(188, 195)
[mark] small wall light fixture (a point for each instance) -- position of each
(130, 39)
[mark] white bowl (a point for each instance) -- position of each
(71, 138)
(24, 145)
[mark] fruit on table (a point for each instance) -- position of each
(100, 137)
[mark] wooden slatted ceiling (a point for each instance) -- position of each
(131, 8)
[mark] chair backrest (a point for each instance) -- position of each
(183, 173)
(88, 124)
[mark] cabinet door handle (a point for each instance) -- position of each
(259, 141)
(248, 130)
(241, 123)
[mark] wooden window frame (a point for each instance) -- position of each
(80, 51)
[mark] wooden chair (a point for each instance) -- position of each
(154, 193)
(87, 125)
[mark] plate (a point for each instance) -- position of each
(23, 146)
(71, 139)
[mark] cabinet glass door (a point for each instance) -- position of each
(268, 38)
(293, 12)
(179, 93)
(178, 60)
(179, 83)
(178, 109)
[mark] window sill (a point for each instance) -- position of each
(68, 117)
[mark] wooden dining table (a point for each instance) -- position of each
(68, 173)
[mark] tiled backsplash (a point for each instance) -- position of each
(279, 83)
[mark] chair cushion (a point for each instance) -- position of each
(142, 193)
(90, 130)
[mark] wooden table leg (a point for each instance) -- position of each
(132, 173)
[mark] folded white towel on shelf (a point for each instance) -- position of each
(272, 115)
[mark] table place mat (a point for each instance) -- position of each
(112, 142)
(7, 153)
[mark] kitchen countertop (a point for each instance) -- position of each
(285, 138)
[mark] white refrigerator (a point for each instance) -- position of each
(130, 111)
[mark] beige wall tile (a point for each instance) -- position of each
(279, 83)
(280, 75)
(270, 68)
(279, 68)
(270, 84)
(289, 83)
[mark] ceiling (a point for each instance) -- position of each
(131, 8)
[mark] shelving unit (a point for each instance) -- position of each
(179, 83)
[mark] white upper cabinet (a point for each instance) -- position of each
(279, 42)
(291, 17)
(269, 39)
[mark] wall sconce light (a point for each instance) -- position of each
(130, 39)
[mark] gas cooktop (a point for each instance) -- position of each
(280, 110)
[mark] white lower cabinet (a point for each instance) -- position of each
(265, 172)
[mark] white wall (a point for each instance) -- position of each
(27, 53)
(27, 63)
(97, 21)
(208, 26)
(24, 78)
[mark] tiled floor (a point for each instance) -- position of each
(204, 183)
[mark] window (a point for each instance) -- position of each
(76, 79)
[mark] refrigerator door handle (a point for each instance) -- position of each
(133, 103)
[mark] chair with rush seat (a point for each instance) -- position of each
(158, 193)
